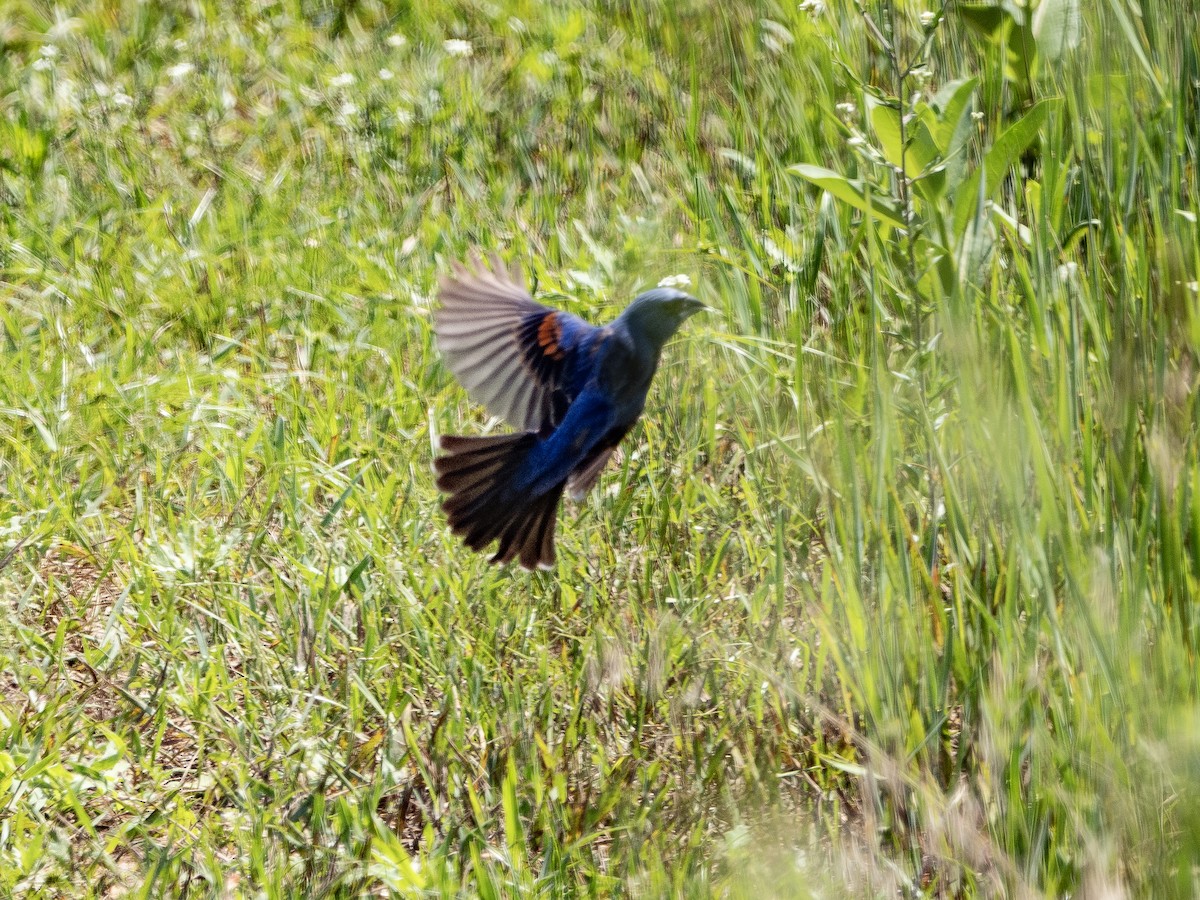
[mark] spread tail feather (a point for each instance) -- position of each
(476, 473)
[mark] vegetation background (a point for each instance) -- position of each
(894, 592)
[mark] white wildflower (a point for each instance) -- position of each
(64, 28)
(459, 48)
(122, 99)
(345, 79)
(813, 7)
(928, 17)
(180, 71)
(675, 281)
(977, 116)
(396, 40)
(43, 64)
(404, 116)
(101, 89)
(386, 75)
(348, 110)
(847, 110)
(48, 51)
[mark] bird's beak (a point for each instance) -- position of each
(692, 306)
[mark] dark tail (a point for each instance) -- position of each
(476, 473)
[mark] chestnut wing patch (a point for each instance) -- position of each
(546, 352)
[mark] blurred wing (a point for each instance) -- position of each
(510, 353)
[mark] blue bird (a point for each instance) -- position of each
(573, 390)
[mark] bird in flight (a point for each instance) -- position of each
(572, 390)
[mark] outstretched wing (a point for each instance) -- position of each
(516, 357)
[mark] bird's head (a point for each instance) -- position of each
(657, 314)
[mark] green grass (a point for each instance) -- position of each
(894, 591)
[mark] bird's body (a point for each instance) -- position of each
(573, 389)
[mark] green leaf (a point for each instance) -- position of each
(885, 120)
(923, 149)
(987, 19)
(1056, 27)
(1012, 143)
(999, 159)
(954, 127)
(851, 192)
(953, 103)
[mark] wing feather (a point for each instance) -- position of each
(509, 352)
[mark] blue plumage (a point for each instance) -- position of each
(573, 390)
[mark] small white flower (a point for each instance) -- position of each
(122, 99)
(312, 243)
(1194, 287)
(227, 99)
(396, 40)
(403, 116)
(813, 7)
(847, 109)
(928, 17)
(101, 89)
(348, 109)
(179, 71)
(459, 48)
(180, 45)
(675, 281)
(386, 75)
(343, 80)
(48, 51)
(64, 28)
(977, 116)
(41, 65)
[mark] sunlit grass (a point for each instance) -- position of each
(892, 591)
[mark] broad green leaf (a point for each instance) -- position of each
(999, 159)
(1056, 25)
(1022, 60)
(953, 103)
(851, 192)
(976, 243)
(1012, 143)
(988, 19)
(923, 149)
(955, 127)
(885, 120)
